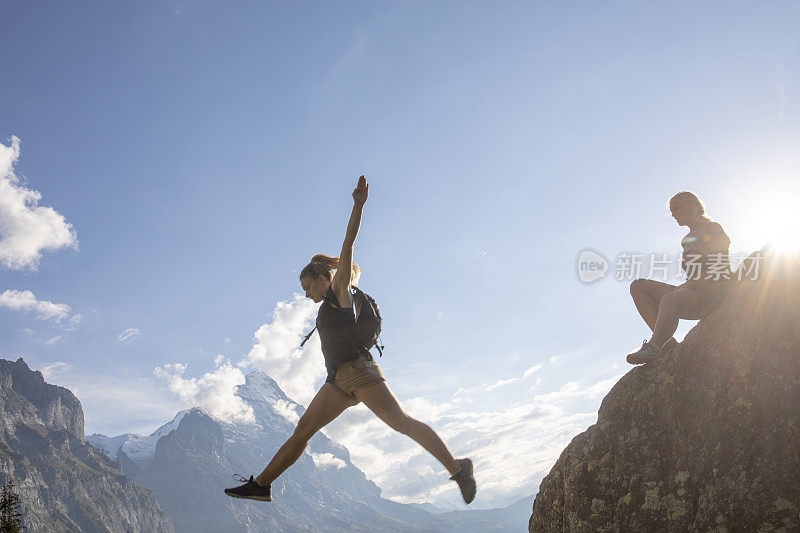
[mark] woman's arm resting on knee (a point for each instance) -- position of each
(342, 278)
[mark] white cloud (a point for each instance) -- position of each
(115, 404)
(45, 310)
(26, 228)
(277, 351)
(74, 321)
(55, 369)
(513, 446)
(53, 340)
(129, 334)
(501, 383)
(327, 460)
(214, 392)
(532, 370)
(287, 411)
(530, 433)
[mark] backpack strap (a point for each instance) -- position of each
(308, 336)
(380, 347)
(356, 303)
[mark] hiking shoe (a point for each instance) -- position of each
(670, 345)
(465, 480)
(250, 490)
(646, 354)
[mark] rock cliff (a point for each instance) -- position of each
(64, 484)
(707, 439)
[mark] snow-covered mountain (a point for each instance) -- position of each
(136, 447)
(188, 462)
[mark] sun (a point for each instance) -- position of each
(781, 226)
(774, 222)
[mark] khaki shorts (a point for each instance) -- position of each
(354, 375)
(713, 292)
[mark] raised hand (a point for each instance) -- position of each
(361, 192)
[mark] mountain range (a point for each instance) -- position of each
(64, 484)
(188, 461)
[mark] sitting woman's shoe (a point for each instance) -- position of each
(647, 353)
(670, 345)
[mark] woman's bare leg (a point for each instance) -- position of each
(647, 295)
(380, 400)
(680, 303)
(329, 403)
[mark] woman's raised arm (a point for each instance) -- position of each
(343, 277)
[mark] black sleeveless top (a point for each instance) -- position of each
(705, 254)
(337, 333)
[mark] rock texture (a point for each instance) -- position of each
(706, 440)
(64, 484)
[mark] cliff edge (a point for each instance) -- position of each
(707, 439)
(63, 483)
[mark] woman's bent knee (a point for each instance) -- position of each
(636, 287)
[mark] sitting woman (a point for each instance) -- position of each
(707, 267)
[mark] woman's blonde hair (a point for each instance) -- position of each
(691, 199)
(324, 265)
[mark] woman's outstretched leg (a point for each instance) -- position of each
(328, 403)
(380, 400)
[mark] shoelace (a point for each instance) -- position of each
(241, 478)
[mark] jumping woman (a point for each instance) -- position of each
(353, 376)
(707, 267)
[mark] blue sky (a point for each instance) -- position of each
(202, 152)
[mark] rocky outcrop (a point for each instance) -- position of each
(707, 439)
(28, 399)
(63, 483)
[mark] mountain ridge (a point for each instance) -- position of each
(323, 490)
(63, 483)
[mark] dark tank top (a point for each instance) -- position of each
(705, 254)
(337, 333)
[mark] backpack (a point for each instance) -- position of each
(368, 320)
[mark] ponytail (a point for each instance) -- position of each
(324, 265)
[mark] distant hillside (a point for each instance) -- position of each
(63, 483)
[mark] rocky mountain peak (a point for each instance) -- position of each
(260, 386)
(64, 484)
(707, 439)
(32, 399)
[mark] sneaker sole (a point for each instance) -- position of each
(258, 498)
(643, 359)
